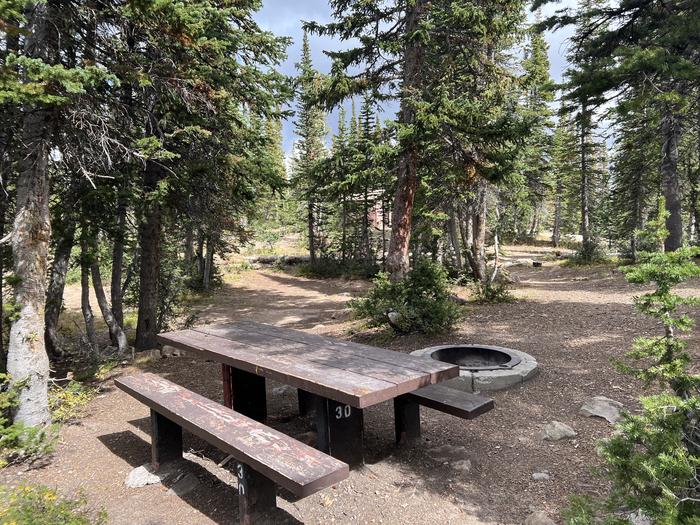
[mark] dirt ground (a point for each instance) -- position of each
(573, 321)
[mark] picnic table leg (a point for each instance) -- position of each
(226, 376)
(340, 430)
(406, 420)
(248, 394)
(257, 496)
(166, 440)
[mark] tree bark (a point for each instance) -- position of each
(115, 290)
(454, 239)
(150, 243)
(556, 227)
(477, 254)
(115, 329)
(27, 360)
(310, 224)
(85, 306)
(208, 264)
(57, 283)
(670, 132)
(587, 238)
(397, 262)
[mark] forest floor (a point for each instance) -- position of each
(572, 320)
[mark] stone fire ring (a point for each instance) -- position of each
(522, 367)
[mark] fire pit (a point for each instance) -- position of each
(483, 367)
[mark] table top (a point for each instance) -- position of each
(351, 373)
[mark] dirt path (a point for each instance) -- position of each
(573, 321)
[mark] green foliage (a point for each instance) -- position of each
(30, 505)
(67, 402)
(653, 460)
(419, 303)
(17, 442)
(493, 292)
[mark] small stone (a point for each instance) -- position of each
(184, 485)
(145, 475)
(539, 518)
(540, 476)
(639, 518)
(463, 465)
(556, 431)
(600, 406)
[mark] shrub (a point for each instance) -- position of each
(653, 460)
(30, 505)
(17, 442)
(419, 303)
(493, 292)
(67, 403)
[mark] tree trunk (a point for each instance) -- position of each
(149, 241)
(310, 223)
(57, 283)
(454, 239)
(27, 361)
(115, 329)
(587, 238)
(208, 263)
(115, 291)
(670, 132)
(189, 248)
(407, 184)
(477, 254)
(556, 227)
(85, 290)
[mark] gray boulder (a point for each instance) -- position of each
(556, 431)
(539, 518)
(601, 406)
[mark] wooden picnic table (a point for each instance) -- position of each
(339, 378)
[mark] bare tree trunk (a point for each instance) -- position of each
(85, 290)
(115, 329)
(407, 184)
(477, 254)
(556, 227)
(189, 248)
(208, 264)
(57, 283)
(670, 132)
(310, 223)
(27, 361)
(149, 241)
(118, 264)
(454, 239)
(587, 238)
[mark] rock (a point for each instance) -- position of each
(556, 431)
(639, 518)
(540, 476)
(463, 465)
(539, 518)
(145, 475)
(537, 264)
(184, 485)
(600, 406)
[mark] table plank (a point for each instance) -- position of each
(252, 354)
(437, 370)
(406, 378)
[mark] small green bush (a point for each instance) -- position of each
(67, 403)
(493, 292)
(419, 303)
(31, 505)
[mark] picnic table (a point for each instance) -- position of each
(338, 378)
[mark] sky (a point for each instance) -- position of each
(284, 18)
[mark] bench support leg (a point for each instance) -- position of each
(166, 440)
(256, 496)
(307, 402)
(406, 420)
(340, 431)
(246, 393)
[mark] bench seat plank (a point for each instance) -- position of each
(451, 401)
(289, 463)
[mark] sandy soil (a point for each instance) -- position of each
(572, 320)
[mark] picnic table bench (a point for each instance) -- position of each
(337, 378)
(266, 458)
